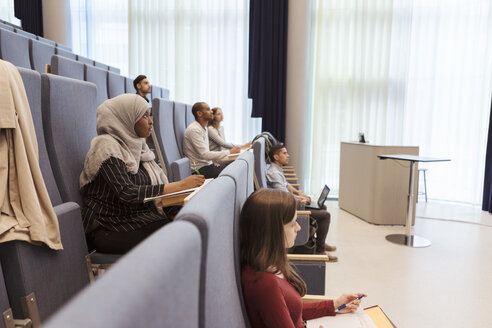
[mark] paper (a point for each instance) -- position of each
(177, 193)
(357, 319)
(237, 154)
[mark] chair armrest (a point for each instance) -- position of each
(308, 257)
(303, 212)
(180, 169)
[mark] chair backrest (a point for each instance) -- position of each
(180, 169)
(6, 27)
(101, 65)
(260, 163)
(114, 69)
(67, 67)
(215, 205)
(162, 112)
(165, 93)
(179, 124)
(64, 47)
(40, 55)
(99, 77)
(129, 88)
(32, 84)
(164, 293)
(25, 33)
(66, 53)
(39, 38)
(14, 48)
(116, 84)
(249, 158)
(53, 276)
(189, 115)
(69, 125)
(155, 92)
(85, 60)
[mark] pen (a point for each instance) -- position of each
(341, 307)
(196, 168)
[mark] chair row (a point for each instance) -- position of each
(187, 274)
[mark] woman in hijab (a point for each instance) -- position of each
(119, 173)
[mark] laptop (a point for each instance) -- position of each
(321, 200)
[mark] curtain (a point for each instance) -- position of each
(100, 31)
(197, 50)
(267, 63)
(406, 73)
(30, 12)
(487, 183)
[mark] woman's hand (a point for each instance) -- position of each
(234, 150)
(192, 181)
(347, 298)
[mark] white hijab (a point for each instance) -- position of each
(116, 119)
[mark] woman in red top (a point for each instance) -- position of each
(272, 289)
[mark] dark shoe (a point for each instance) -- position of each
(329, 248)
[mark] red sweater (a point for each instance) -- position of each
(273, 302)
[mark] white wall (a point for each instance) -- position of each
(57, 22)
(298, 88)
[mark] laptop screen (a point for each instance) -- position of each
(324, 195)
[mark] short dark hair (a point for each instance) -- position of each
(137, 80)
(196, 108)
(274, 150)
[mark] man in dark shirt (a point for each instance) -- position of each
(142, 86)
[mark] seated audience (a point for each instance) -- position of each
(276, 180)
(216, 136)
(196, 146)
(142, 86)
(272, 289)
(119, 173)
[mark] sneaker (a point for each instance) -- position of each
(329, 248)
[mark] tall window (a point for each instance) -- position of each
(198, 50)
(7, 12)
(407, 73)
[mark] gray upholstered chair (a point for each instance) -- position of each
(39, 38)
(25, 33)
(99, 77)
(248, 157)
(165, 93)
(114, 69)
(67, 67)
(116, 84)
(157, 284)
(6, 27)
(85, 60)
(176, 166)
(179, 124)
(64, 47)
(101, 65)
(260, 164)
(40, 55)
(14, 48)
(155, 92)
(214, 205)
(189, 115)
(129, 88)
(8, 320)
(65, 53)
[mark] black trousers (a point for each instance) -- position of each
(213, 171)
(323, 218)
(113, 242)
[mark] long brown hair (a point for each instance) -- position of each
(262, 240)
(213, 122)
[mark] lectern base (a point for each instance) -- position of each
(413, 241)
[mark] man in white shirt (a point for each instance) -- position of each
(196, 147)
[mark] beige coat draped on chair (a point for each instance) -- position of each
(25, 206)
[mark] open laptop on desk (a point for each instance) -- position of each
(321, 200)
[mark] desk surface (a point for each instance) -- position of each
(413, 158)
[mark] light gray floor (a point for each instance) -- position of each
(448, 284)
